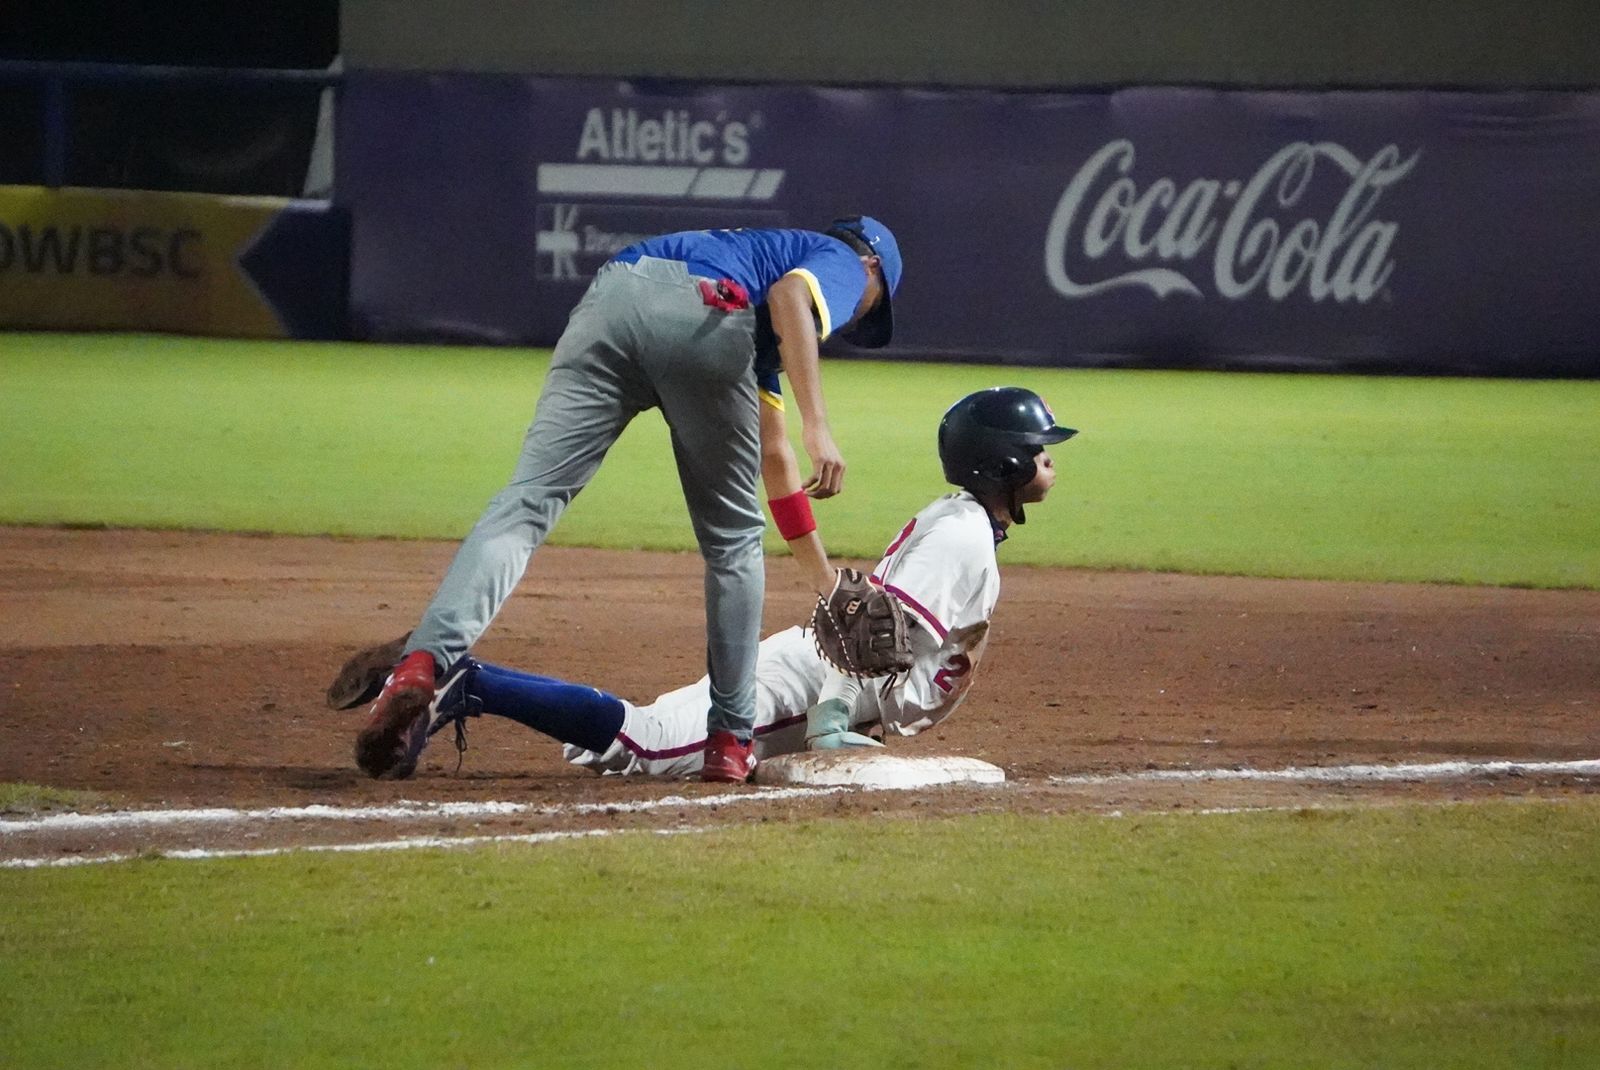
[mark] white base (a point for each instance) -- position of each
(873, 768)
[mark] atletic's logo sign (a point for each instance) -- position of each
(1236, 237)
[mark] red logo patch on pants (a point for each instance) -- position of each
(724, 294)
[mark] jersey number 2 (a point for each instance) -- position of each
(945, 679)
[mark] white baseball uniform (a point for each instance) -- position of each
(942, 568)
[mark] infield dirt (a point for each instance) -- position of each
(182, 669)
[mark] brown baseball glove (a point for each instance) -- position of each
(361, 678)
(860, 628)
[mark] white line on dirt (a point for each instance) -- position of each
(401, 811)
(1344, 773)
(413, 811)
(414, 843)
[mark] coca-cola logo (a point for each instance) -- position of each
(1244, 231)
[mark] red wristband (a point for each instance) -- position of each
(793, 516)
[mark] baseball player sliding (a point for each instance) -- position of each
(941, 567)
(697, 324)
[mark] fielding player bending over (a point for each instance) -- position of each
(698, 325)
(941, 566)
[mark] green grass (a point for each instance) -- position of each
(1422, 937)
(36, 798)
(1454, 480)
(1417, 937)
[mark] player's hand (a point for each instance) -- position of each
(828, 727)
(827, 463)
(841, 741)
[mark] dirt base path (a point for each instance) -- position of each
(178, 669)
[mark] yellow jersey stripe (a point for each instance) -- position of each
(775, 400)
(823, 317)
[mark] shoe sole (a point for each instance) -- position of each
(381, 746)
(360, 680)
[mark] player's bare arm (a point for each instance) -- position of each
(789, 302)
(780, 475)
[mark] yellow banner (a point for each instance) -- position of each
(94, 259)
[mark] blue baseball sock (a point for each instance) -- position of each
(572, 713)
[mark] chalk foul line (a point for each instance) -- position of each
(422, 811)
(194, 854)
(401, 811)
(1342, 773)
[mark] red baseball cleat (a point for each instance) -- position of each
(728, 761)
(406, 695)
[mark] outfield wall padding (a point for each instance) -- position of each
(1404, 231)
(192, 263)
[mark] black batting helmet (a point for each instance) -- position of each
(988, 441)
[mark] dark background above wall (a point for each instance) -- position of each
(1057, 44)
(166, 136)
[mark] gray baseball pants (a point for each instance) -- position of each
(641, 338)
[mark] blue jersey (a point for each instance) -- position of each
(756, 259)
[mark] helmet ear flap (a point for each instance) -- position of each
(1015, 468)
